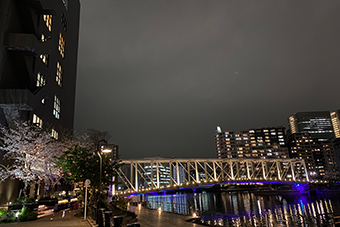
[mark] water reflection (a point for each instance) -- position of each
(248, 209)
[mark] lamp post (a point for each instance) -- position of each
(102, 147)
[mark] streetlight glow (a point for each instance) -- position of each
(105, 149)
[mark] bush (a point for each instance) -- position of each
(27, 214)
(23, 200)
(48, 198)
(130, 213)
(79, 212)
(6, 216)
(122, 203)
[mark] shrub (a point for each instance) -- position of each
(27, 214)
(79, 212)
(6, 216)
(23, 200)
(122, 203)
(130, 213)
(48, 198)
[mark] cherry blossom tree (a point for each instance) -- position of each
(30, 154)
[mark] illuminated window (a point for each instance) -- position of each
(48, 21)
(56, 107)
(61, 46)
(44, 58)
(37, 121)
(40, 80)
(54, 134)
(59, 75)
(43, 38)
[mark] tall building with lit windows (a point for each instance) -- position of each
(335, 116)
(38, 62)
(319, 156)
(254, 143)
(318, 124)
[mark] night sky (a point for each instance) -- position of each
(161, 75)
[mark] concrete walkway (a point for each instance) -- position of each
(146, 218)
(154, 218)
(69, 220)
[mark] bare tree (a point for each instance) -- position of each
(94, 136)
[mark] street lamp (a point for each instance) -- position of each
(102, 147)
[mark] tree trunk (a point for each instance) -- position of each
(52, 186)
(25, 188)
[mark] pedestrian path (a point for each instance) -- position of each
(56, 220)
(146, 218)
(155, 218)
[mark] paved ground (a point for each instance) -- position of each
(154, 218)
(146, 218)
(53, 221)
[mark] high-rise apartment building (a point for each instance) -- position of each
(336, 122)
(317, 124)
(254, 143)
(336, 143)
(38, 62)
(319, 155)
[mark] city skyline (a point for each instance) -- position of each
(160, 76)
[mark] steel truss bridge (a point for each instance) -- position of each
(150, 175)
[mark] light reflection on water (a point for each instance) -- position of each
(248, 209)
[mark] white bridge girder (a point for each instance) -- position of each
(146, 175)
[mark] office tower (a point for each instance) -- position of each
(319, 155)
(317, 124)
(254, 143)
(336, 122)
(151, 173)
(38, 62)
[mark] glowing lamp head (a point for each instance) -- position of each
(159, 208)
(194, 215)
(105, 149)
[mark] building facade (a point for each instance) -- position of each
(336, 122)
(38, 62)
(254, 143)
(151, 174)
(318, 124)
(319, 156)
(336, 143)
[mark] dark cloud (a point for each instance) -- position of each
(160, 75)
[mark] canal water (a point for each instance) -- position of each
(253, 209)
